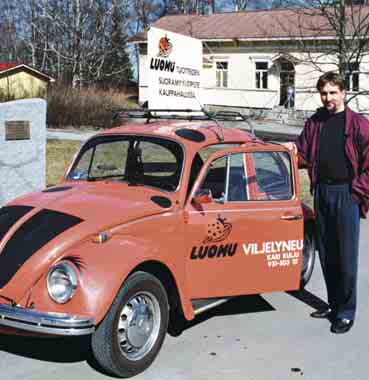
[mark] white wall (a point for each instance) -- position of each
(239, 98)
(241, 91)
(307, 76)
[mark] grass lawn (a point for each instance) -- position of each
(59, 153)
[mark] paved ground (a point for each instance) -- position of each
(69, 134)
(268, 337)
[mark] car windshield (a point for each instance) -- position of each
(138, 160)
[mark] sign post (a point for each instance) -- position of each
(175, 63)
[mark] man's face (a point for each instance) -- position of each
(333, 98)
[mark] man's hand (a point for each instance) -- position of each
(291, 146)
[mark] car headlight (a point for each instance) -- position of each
(62, 282)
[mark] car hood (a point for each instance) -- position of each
(56, 219)
(102, 204)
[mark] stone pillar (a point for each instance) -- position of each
(22, 148)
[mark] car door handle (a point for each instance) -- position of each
(291, 217)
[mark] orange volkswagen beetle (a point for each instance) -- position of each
(145, 221)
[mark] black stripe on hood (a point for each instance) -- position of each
(30, 237)
(9, 215)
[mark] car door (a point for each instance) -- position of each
(244, 229)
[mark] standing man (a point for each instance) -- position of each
(334, 147)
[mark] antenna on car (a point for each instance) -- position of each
(251, 125)
(233, 116)
(212, 117)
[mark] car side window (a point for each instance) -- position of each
(273, 176)
(215, 179)
(226, 179)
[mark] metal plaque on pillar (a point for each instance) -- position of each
(17, 130)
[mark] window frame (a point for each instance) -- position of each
(252, 188)
(249, 171)
(221, 71)
(228, 156)
(350, 74)
(261, 71)
(106, 139)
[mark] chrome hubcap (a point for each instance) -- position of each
(139, 325)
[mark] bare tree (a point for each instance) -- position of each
(233, 5)
(345, 27)
(77, 41)
(8, 32)
(327, 35)
(200, 7)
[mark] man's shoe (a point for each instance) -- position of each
(340, 326)
(322, 313)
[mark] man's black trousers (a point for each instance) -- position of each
(338, 226)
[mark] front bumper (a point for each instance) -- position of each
(45, 323)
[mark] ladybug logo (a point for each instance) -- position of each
(218, 230)
(165, 47)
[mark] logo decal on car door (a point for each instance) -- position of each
(218, 230)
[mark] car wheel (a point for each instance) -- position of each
(132, 332)
(308, 257)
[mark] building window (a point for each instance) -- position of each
(352, 77)
(222, 74)
(261, 74)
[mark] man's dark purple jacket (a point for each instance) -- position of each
(356, 149)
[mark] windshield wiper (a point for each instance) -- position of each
(130, 180)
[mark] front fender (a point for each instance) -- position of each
(103, 268)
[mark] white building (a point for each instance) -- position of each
(251, 59)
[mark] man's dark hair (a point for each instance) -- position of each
(332, 78)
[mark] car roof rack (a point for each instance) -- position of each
(182, 114)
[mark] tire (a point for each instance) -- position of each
(308, 256)
(130, 336)
(177, 323)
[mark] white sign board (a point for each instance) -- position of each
(175, 63)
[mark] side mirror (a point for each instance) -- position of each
(203, 196)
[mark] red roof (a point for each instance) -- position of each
(12, 67)
(7, 66)
(265, 24)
